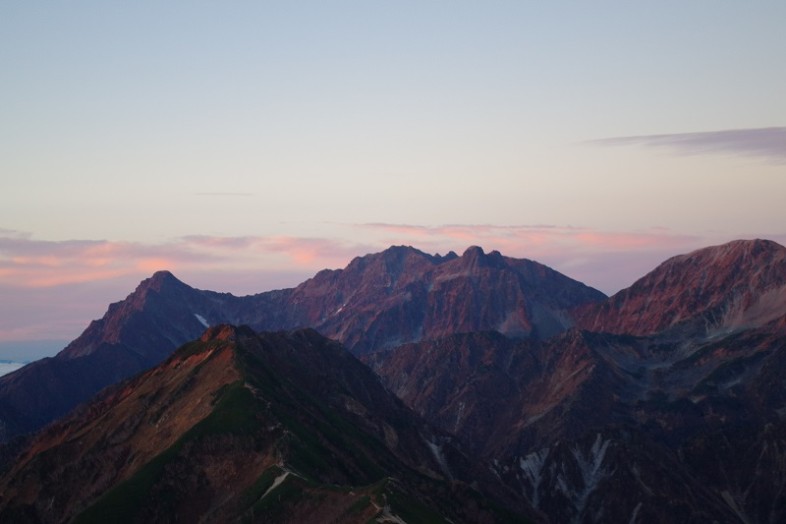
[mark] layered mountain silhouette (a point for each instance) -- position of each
(378, 301)
(681, 421)
(662, 403)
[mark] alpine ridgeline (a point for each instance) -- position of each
(378, 301)
(246, 427)
(684, 420)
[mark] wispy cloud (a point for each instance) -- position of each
(533, 240)
(224, 194)
(52, 289)
(579, 252)
(30, 263)
(767, 142)
(607, 260)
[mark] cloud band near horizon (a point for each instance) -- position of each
(52, 289)
(767, 142)
(32, 263)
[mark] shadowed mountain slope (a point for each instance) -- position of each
(240, 427)
(684, 424)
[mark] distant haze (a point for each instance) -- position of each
(23, 351)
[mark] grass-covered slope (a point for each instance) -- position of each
(240, 427)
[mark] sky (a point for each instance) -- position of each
(246, 145)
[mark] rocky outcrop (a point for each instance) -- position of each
(711, 291)
(403, 295)
(676, 423)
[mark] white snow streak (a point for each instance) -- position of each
(459, 416)
(591, 468)
(635, 515)
(276, 483)
(436, 450)
(532, 466)
(202, 320)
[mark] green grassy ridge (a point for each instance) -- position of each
(327, 428)
(234, 413)
(315, 442)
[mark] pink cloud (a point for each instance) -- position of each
(607, 260)
(35, 275)
(51, 290)
(25, 262)
(531, 240)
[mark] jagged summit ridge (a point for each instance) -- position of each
(378, 301)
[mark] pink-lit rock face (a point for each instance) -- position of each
(717, 289)
(403, 295)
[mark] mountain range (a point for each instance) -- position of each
(378, 301)
(519, 393)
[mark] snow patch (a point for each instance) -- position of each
(459, 416)
(634, 517)
(439, 455)
(532, 466)
(591, 469)
(202, 320)
(276, 483)
(728, 498)
(388, 517)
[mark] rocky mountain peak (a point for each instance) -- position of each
(473, 253)
(159, 280)
(741, 283)
(475, 257)
(226, 332)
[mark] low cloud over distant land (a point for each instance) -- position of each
(768, 142)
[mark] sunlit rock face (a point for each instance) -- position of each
(378, 301)
(675, 422)
(711, 291)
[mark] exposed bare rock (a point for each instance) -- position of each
(714, 290)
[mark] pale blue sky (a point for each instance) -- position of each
(295, 135)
